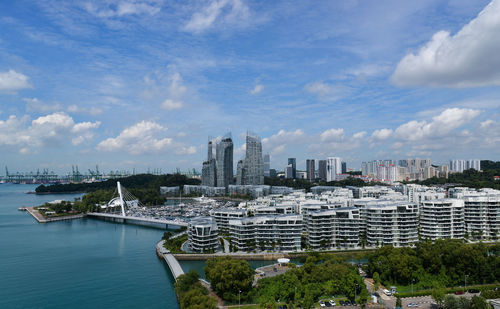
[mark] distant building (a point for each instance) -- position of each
(310, 169)
(289, 171)
(458, 166)
(224, 160)
(273, 173)
(322, 170)
(208, 170)
(267, 165)
(333, 168)
(293, 163)
(344, 168)
(240, 173)
(253, 163)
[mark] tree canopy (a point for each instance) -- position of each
(443, 262)
(229, 276)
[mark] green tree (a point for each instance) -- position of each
(438, 294)
(228, 276)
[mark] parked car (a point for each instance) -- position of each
(322, 304)
(412, 305)
(342, 303)
(472, 291)
(347, 303)
(332, 302)
(459, 292)
(328, 304)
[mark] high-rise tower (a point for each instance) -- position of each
(224, 161)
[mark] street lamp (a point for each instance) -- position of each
(355, 287)
(412, 280)
(239, 299)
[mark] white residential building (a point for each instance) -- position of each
(333, 228)
(482, 215)
(223, 215)
(442, 218)
(333, 168)
(203, 234)
(269, 232)
(394, 223)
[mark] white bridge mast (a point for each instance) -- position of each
(122, 204)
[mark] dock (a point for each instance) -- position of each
(41, 219)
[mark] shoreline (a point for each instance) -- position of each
(41, 219)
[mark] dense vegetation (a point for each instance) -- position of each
(321, 275)
(174, 245)
(191, 294)
(490, 165)
(443, 263)
(306, 184)
(453, 302)
(229, 276)
(141, 181)
(469, 178)
(145, 187)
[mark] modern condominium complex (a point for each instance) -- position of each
(270, 232)
(482, 215)
(442, 218)
(203, 234)
(337, 227)
(393, 224)
(223, 215)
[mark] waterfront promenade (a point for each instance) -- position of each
(173, 264)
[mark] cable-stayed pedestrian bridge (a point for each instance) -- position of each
(121, 207)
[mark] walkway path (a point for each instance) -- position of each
(173, 264)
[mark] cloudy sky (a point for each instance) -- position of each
(143, 83)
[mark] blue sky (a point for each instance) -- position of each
(124, 83)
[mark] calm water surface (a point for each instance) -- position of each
(83, 263)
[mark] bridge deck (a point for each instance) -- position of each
(151, 220)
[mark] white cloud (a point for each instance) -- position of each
(440, 125)
(12, 81)
(359, 135)
(332, 135)
(87, 110)
(283, 137)
(143, 137)
(183, 150)
(219, 14)
(33, 104)
(467, 59)
(257, 89)
(44, 131)
(112, 9)
(169, 104)
(486, 123)
(326, 91)
(381, 134)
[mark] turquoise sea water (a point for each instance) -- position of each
(84, 263)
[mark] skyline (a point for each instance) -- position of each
(127, 84)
